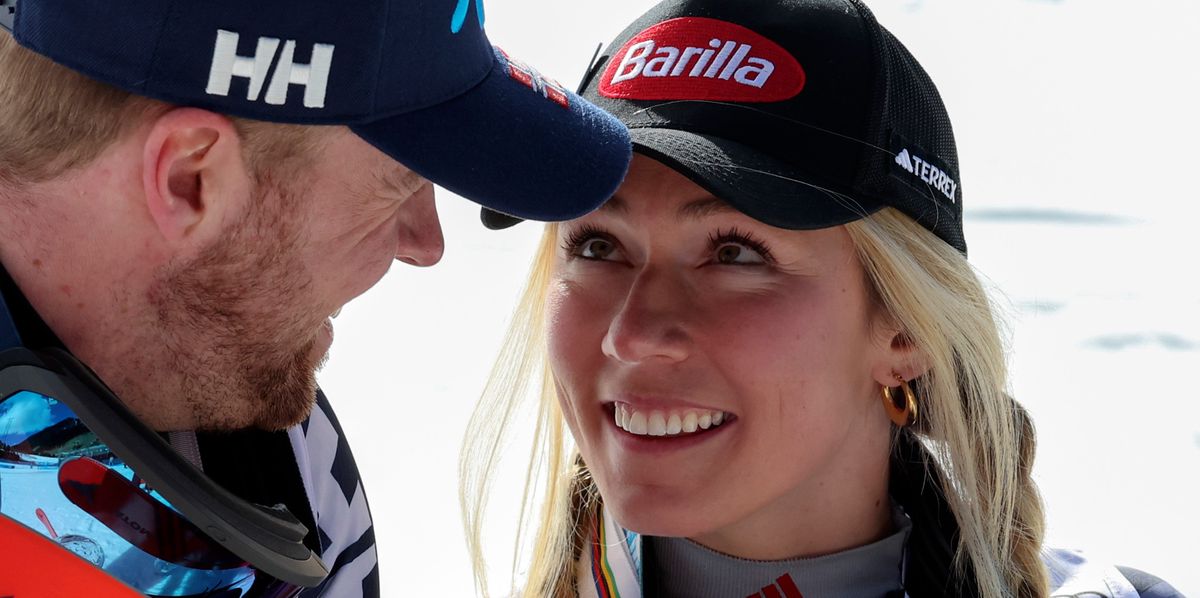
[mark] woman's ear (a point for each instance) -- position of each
(193, 174)
(898, 355)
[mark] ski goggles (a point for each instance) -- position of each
(79, 468)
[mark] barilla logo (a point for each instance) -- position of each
(227, 64)
(702, 59)
(784, 587)
(930, 174)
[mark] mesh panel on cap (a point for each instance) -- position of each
(907, 103)
(914, 106)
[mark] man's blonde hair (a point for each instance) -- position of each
(54, 120)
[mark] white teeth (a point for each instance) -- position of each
(657, 425)
(670, 423)
(689, 422)
(637, 423)
(674, 424)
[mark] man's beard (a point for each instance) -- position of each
(234, 326)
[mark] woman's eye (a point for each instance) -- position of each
(738, 254)
(595, 248)
(592, 243)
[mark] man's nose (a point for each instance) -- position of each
(420, 242)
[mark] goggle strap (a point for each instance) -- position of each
(9, 337)
(8, 13)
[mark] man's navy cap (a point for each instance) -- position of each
(417, 79)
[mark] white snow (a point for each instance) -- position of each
(1076, 131)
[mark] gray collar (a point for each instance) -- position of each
(680, 568)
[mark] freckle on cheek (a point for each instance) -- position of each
(66, 289)
(37, 263)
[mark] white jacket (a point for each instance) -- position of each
(611, 567)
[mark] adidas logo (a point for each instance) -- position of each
(928, 173)
(783, 587)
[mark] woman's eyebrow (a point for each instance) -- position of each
(706, 206)
(694, 210)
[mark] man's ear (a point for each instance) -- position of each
(193, 173)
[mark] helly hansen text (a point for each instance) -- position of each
(227, 64)
(722, 60)
(930, 174)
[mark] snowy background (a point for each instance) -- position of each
(1078, 136)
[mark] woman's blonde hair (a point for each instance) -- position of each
(975, 442)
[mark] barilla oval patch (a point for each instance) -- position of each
(696, 58)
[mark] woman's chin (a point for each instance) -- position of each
(660, 518)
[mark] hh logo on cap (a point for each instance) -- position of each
(696, 58)
(226, 64)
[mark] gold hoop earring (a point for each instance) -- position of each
(903, 414)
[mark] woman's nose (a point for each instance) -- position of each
(650, 325)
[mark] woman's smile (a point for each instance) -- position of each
(641, 431)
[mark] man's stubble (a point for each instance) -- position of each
(234, 325)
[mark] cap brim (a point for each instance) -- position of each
(756, 184)
(507, 146)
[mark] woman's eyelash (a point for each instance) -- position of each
(576, 238)
(734, 235)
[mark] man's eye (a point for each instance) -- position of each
(738, 254)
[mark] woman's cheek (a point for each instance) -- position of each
(574, 331)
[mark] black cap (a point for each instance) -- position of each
(802, 114)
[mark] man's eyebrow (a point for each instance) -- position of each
(614, 204)
(401, 179)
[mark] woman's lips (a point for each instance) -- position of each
(627, 428)
(658, 431)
